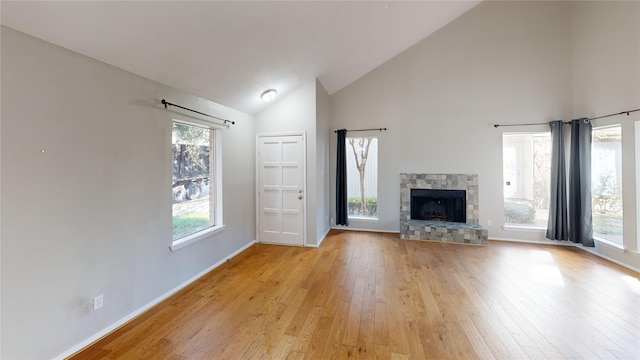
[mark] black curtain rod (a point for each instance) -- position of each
(379, 129)
(166, 103)
(620, 113)
(569, 122)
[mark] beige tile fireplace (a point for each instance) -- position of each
(468, 231)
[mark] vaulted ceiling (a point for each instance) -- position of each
(231, 51)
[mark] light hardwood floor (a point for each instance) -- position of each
(371, 295)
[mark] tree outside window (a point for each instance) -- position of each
(362, 176)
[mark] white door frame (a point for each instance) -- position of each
(304, 185)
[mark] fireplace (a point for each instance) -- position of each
(438, 205)
(438, 197)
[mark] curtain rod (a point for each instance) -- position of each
(569, 122)
(166, 103)
(379, 129)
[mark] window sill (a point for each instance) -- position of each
(193, 238)
(523, 228)
(363, 218)
(608, 242)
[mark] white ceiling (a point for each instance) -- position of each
(231, 51)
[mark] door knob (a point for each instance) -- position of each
(299, 197)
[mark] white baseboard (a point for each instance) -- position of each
(536, 242)
(321, 240)
(109, 329)
(367, 230)
(591, 250)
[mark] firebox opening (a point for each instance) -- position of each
(439, 205)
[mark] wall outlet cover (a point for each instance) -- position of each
(98, 302)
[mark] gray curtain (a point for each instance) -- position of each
(557, 228)
(342, 206)
(580, 225)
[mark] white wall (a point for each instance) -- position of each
(86, 199)
(296, 112)
(606, 79)
(499, 63)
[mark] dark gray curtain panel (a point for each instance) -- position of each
(557, 227)
(580, 222)
(342, 206)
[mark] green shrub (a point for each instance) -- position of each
(355, 207)
(519, 212)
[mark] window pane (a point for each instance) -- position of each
(526, 171)
(192, 188)
(362, 176)
(606, 183)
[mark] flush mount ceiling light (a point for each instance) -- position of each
(269, 95)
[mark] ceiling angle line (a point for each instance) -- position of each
(166, 103)
(626, 112)
(379, 129)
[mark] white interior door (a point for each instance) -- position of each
(281, 197)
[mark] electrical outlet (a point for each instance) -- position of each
(98, 302)
(488, 222)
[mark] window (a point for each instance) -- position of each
(606, 183)
(196, 204)
(362, 176)
(527, 171)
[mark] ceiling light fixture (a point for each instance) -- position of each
(269, 95)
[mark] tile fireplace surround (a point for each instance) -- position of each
(470, 232)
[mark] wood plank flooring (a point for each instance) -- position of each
(370, 295)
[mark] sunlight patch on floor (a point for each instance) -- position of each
(544, 269)
(632, 283)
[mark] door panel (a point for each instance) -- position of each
(289, 153)
(290, 224)
(280, 197)
(271, 199)
(271, 221)
(290, 201)
(289, 177)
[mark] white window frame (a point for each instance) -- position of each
(217, 174)
(637, 153)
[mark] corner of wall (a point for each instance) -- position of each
(323, 120)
